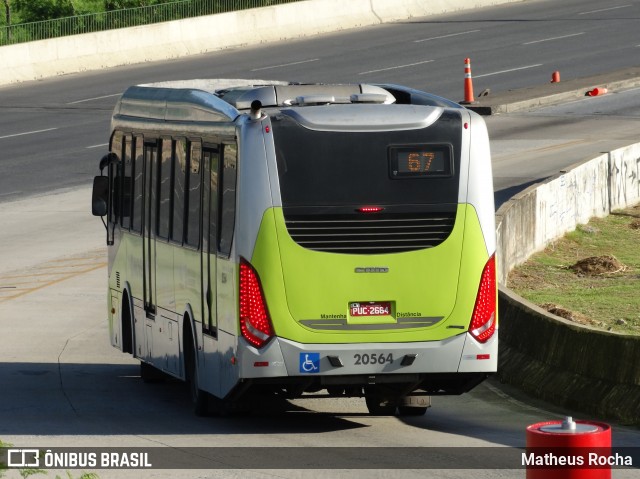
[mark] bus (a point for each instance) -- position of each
(273, 239)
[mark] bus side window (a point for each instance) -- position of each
(165, 189)
(194, 181)
(115, 172)
(138, 180)
(179, 177)
(227, 199)
(211, 157)
(126, 182)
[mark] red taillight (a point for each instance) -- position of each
(254, 317)
(483, 321)
(370, 209)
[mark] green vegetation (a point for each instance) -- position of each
(29, 20)
(591, 276)
(25, 11)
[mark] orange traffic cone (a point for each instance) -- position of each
(468, 83)
(555, 77)
(597, 92)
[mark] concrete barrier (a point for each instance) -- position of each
(543, 212)
(162, 41)
(567, 364)
(592, 371)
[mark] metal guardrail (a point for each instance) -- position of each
(96, 22)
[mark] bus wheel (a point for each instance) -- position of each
(199, 398)
(379, 405)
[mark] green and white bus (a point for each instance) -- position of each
(273, 238)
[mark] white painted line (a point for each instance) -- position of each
(9, 193)
(396, 67)
(97, 146)
(603, 10)
(507, 71)
(554, 38)
(27, 133)
(445, 36)
(94, 98)
(285, 65)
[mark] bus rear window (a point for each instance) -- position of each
(344, 168)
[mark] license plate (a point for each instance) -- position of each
(370, 308)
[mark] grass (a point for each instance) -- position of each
(609, 297)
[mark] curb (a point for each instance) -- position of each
(554, 93)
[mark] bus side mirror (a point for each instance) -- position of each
(100, 196)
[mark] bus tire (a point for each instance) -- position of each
(199, 398)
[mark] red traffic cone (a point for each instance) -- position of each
(555, 77)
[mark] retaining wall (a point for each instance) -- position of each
(162, 41)
(575, 366)
(531, 219)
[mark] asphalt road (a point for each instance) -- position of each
(61, 384)
(53, 131)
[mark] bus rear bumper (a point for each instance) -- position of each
(285, 358)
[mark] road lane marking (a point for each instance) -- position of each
(603, 10)
(556, 146)
(27, 133)
(9, 193)
(445, 36)
(94, 98)
(508, 71)
(396, 67)
(19, 283)
(285, 64)
(101, 145)
(554, 38)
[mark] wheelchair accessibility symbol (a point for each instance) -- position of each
(309, 363)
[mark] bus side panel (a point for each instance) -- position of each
(480, 190)
(133, 279)
(209, 365)
(186, 273)
(253, 187)
(139, 330)
(115, 320)
(228, 325)
(228, 357)
(165, 289)
(117, 269)
(188, 297)
(166, 342)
